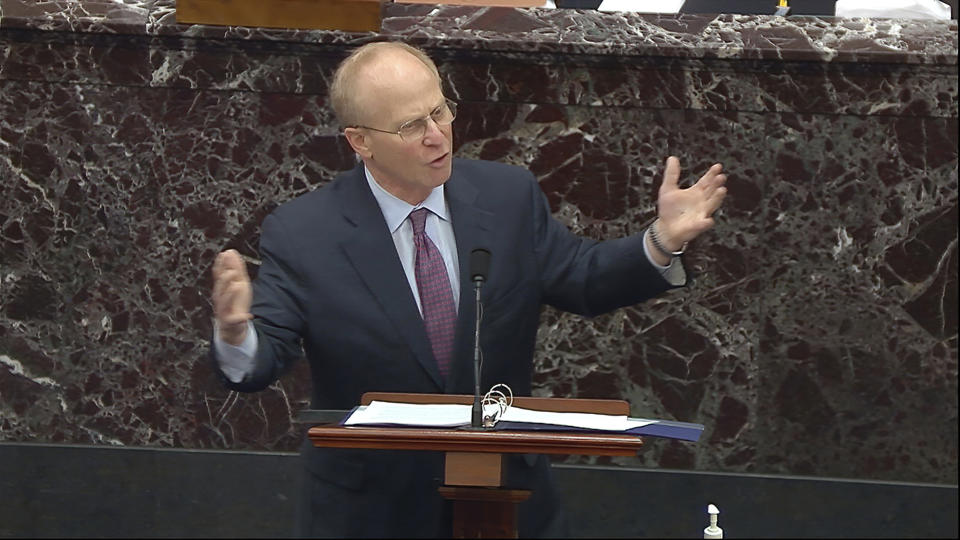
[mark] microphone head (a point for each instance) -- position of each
(479, 264)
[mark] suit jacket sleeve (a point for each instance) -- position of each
(588, 277)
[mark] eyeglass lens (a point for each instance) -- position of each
(442, 116)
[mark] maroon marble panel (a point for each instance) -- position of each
(819, 336)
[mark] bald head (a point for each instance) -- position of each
(370, 74)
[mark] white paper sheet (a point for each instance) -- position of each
(452, 415)
(642, 6)
(906, 9)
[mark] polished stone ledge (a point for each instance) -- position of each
(562, 31)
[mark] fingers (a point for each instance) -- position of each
(226, 294)
(228, 260)
(671, 175)
(712, 179)
(228, 281)
(232, 292)
(232, 306)
(713, 203)
(714, 170)
(229, 266)
(711, 190)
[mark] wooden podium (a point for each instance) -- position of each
(473, 469)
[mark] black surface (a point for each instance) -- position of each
(578, 4)
(617, 503)
(768, 7)
(118, 492)
(823, 8)
(321, 416)
(759, 7)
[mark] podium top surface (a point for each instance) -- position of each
(484, 441)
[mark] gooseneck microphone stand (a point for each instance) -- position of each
(479, 263)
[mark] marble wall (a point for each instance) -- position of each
(819, 336)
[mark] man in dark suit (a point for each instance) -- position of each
(368, 277)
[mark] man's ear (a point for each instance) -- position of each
(358, 141)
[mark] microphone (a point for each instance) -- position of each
(479, 266)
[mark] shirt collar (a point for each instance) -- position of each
(395, 210)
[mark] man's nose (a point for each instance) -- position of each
(432, 133)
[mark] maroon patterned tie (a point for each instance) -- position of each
(436, 297)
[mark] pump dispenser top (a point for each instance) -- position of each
(712, 531)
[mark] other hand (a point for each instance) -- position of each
(232, 295)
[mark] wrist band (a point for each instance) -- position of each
(655, 238)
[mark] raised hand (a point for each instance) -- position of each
(232, 295)
(685, 213)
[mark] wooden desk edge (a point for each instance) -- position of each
(447, 440)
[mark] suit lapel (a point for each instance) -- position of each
(471, 228)
(372, 253)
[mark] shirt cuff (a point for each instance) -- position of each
(235, 361)
(674, 273)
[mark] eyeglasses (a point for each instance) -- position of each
(414, 130)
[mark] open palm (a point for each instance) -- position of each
(685, 213)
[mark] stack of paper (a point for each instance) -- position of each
(383, 413)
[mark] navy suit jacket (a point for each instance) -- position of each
(331, 287)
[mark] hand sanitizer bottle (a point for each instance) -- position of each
(713, 531)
